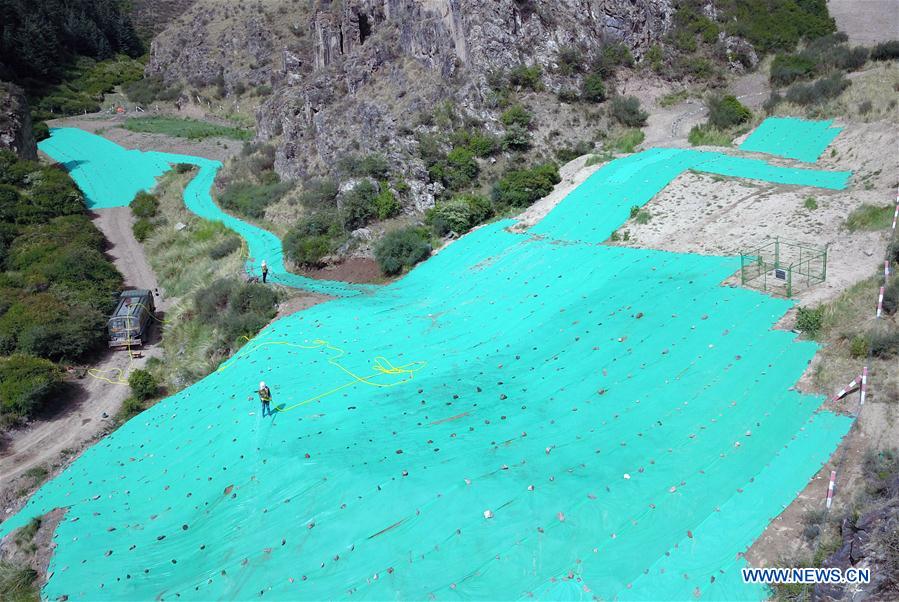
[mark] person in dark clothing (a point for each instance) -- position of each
(264, 271)
(265, 396)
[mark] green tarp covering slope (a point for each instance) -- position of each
(110, 176)
(792, 138)
(523, 414)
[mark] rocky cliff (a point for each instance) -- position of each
(15, 122)
(355, 76)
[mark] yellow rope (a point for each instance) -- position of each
(381, 365)
(118, 374)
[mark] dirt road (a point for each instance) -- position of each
(55, 438)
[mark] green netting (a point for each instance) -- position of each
(791, 137)
(99, 167)
(630, 424)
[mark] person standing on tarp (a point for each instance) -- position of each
(265, 396)
(264, 271)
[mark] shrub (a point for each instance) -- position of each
(27, 384)
(402, 249)
(626, 111)
(183, 168)
(883, 340)
(517, 115)
(319, 193)
(374, 165)
(251, 200)
(142, 229)
(570, 60)
(893, 251)
(145, 91)
(461, 168)
(516, 138)
(482, 145)
(858, 347)
(308, 250)
(778, 25)
(727, 111)
(144, 205)
(819, 91)
(17, 584)
(593, 89)
(626, 141)
(643, 217)
(567, 95)
(459, 214)
(520, 188)
(235, 309)
(41, 131)
(810, 320)
(143, 385)
(891, 296)
(357, 206)
(569, 153)
(708, 135)
(225, 247)
(865, 107)
(523, 76)
(787, 68)
(870, 217)
(311, 239)
(885, 51)
(131, 407)
(385, 202)
(810, 203)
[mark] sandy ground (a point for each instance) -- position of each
(110, 126)
(866, 21)
(55, 438)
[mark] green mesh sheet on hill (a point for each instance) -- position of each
(110, 176)
(629, 424)
(791, 137)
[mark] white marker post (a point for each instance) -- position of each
(833, 476)
(864, 386)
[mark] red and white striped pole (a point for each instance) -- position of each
(847, 389)
(833, 476)
(896, 214)
(880, 302)
(864, 386)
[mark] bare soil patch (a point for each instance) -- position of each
(357, 270)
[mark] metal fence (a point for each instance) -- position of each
(783, 267)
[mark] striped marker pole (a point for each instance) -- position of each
(896, 214)
(833, 476)
(880, 302)
(864, 386)
(847, 389)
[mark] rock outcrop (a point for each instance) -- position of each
(15, 122)
(356, 74)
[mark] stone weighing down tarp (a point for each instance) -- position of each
(792, 138)
(523, 414)
(110, 176)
